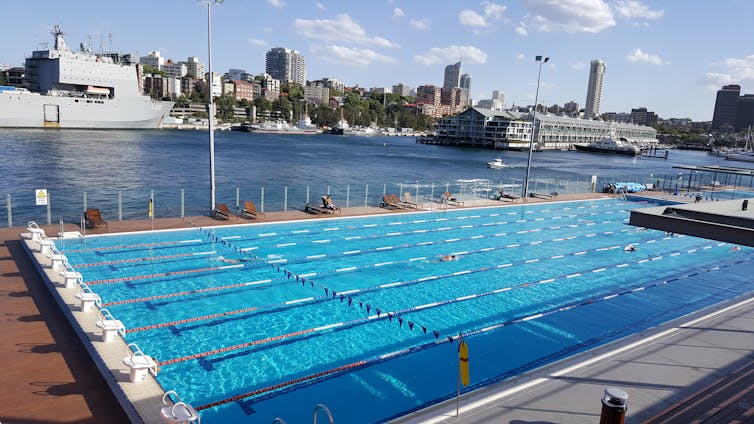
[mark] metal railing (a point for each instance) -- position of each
(178, 202)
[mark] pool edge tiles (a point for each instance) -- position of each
(141, 401)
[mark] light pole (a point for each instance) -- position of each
(539, 60)
(211, 105)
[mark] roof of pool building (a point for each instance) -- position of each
(247, 323)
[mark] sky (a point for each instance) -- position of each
(668, 56)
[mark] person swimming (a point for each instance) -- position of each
(448, 258)
(735, 248)
(231, 261)
(630, 248)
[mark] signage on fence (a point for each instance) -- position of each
(41, 196)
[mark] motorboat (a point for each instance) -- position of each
(496, 164)
(615, 146)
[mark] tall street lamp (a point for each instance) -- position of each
(211, 105)
(539, 60)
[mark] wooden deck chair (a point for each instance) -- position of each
(397, 200)
(93, 218)
(328, 204)
(221, 211)
(409, 201)
(449, 198)
(250, 210)
(388, 201)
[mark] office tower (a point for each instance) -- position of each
(726, 108)
(286, 65)
(745, 112)
(466, 85)
(452, 76)
(498, 100)
(594, 91)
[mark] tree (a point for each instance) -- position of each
(152, 70)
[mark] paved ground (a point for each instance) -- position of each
(702, 372)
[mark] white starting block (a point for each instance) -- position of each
(179, 412)
(37, 234)
(139, 363)
(110, 326)
(45, 246)
(88, 300)
(57, 260)
(110, 329)
(70, 278)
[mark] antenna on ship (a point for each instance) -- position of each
(57, 32)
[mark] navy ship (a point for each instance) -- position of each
(79, 89)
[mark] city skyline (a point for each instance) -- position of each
(660, 55)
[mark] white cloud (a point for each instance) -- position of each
(636, 55)
(520, 30)
(569, 15)
(342, 29)
(320, 6)
(276, 3)
(420, 23)
(520, 56)
(350, 56)
(578, 66)
(473, 19)
(257, 42)
(437, 55)
(398, 13)
(632, 9)
(493, 11)
(735, 71)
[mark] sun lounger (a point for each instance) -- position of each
(249, 210)
(501, 195)
(450, 199)
(389, 201)
(328, 204)
(544, 195)
(93, 218)
(221, 211)
(409, 201)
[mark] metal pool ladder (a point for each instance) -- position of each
(316, 410)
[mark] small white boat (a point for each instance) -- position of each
(496, 164)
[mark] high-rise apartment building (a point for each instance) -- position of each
(594, 91)
(745, 112)
(286, 65)
(726, 108)
(402, 90)
(452, 76)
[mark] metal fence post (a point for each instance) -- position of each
(262, 200)
(183, 204)
(10, 212)
(49, 215)
(120, 206)
(84, 201)
(285, 199)
(307, 194)
(366, 195)
(348, 194)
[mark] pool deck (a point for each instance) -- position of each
(698, 366)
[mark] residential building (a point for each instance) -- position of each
(175, 69)
(594, 90)
(155, 86)
(511, 130)
(726, 108)
(452, 76)
(239, 74)
(643, 117)
(317, 93)
(402, 90)
(153, 59)
(571, 109)
(217, 83)
(286, 65)
(16, 76)
(194, 67)
(243, 90)
(270, 88)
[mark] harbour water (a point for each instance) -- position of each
(94, 168)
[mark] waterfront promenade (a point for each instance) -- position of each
(703, 367)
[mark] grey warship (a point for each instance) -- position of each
(79, 89)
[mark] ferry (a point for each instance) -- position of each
(79, 89)
(615, 146)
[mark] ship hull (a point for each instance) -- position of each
(23, 110)
(741, 157)
(592, 149)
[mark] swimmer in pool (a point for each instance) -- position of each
(231, 261)
(448, 258)
(630, 248)
(735, 248)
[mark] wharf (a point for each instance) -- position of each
(698, 366)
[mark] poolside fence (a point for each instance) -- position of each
(68, 204)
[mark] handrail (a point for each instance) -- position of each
(278, 420)
(324, 408)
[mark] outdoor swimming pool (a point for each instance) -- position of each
(262, 321)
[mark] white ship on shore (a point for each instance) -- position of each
(67, 89)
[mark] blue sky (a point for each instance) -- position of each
(668, 56)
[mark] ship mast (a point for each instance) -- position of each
(57, 32)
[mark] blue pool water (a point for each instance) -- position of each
(728, 194)
(361, 314)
